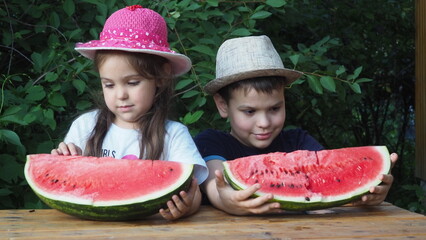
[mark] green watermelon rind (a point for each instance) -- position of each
(320, 203)
(116, 212)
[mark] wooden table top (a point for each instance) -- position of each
(380, 222)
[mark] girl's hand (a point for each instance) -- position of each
(67, 149)
(378, 193)
(185, 204)
(241, 202)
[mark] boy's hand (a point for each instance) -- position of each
(67, 149)
(378, 193)
(185, 204)
(241, 202)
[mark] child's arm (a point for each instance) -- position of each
(187, 203)
(378, 193)
(222, 196)
(67, 149)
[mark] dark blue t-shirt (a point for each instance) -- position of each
(214, 144)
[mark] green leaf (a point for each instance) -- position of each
(241, 32)
(51, 77)
(54, 19)
(213, 3)
(83, 105)
(35, 93)
(355, 87)
(341, 70)
(10, 137)
(80, 85)
(192, 118)
(276, 3)
(328, 83)
(357, 72)
(204, 49)
(69, 7)
(4, 191)
(295, 59)
(260, 15)
(57, 99)
(183, 83)
(362, 80)
(190, 94)
(314, 84)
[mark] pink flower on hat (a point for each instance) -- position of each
(136, 29)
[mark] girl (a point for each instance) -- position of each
(136, 68)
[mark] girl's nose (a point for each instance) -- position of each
(122, 93)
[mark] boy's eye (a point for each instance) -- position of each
(249, 111)
(275, 109)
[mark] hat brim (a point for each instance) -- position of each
(179, 62)
(213, 86)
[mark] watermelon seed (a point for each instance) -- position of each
(73, 186)
(292, 185)
(307, 199)
(171, 169)
(337, 180)
(56, 180)
(256, 181)
(266, 170)
(272, 185)
(47, 174)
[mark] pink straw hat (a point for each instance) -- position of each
(136, 29)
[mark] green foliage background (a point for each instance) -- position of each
(357, 56)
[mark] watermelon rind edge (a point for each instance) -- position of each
(315, 203)
(117, 211)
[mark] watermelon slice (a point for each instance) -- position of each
(105, 188)
(308, 180)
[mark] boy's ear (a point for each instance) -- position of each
(221, 105)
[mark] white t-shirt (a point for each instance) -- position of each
(124, 143)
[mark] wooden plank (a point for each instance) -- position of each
(381, 222)
(420, 89)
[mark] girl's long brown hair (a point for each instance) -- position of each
(152, 124)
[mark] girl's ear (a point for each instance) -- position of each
(221, 104)
(167, 67)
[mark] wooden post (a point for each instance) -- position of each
(420, 9)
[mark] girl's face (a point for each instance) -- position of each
(126, 93)
(256, 118)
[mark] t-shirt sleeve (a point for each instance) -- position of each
(81, 129)
(210, 143)
(180, 147)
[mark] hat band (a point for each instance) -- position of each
(142, 39)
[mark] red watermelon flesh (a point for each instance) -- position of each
(105, 188)
(309, 179)
(101, 179)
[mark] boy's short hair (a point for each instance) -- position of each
(260, 84)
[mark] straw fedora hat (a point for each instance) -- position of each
(136, 29)
(248, 57)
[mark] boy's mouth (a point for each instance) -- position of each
(263, 136)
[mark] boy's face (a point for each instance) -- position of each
(256, 118)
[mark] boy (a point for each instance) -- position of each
(249, 91)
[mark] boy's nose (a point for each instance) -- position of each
(263, 121)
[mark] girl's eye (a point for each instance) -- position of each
(108, 85)
(133, 83)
